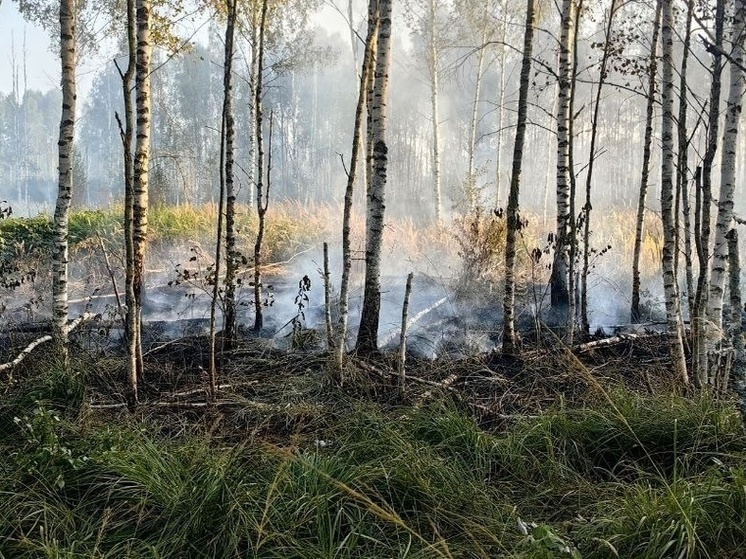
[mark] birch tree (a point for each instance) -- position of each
(560, 295)
(510, 341)
(368, 57)
(670, 287)
(724, 221)
(127, 133)
(702, 214)
(64, 191)
(367, 340)
(228, 126)
(433, 62)
(262, 196)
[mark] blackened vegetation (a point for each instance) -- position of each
(273, 393)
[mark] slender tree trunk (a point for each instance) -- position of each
(471, 177)
(635, 314)
(572, 248)
(65, 187)
(254, 71)
(231, 253)
(500, 111)
(344, 295)
(736, 324)
(670, 287)
(433, 61)
(704, 197)
(261, 203)
(367, 340)
(724, 221)
(510, 339)
(353, 35)
(587, 207)
(141, 166)
(682, 168)
(127, 131)
(560, 294)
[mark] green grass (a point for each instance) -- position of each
(636, 476)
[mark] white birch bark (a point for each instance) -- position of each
(127, 130)
(702, 213)
(434, 104)
(670, 287)
(231, 253)
(344, 291)
(560, 295)
(368, 333)
(724, 222)
(64, 191)
(471, 178)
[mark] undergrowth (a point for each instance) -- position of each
(634, 476)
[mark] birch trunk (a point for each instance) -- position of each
(738, 373)
(434, 86)
(231, 253)
(64, 191)
(682, 167)
(127, 131)
(344, 291)
(471, 178)
(141, 168)
(635, 314)
(704, 200)
(560, 294)
(670, 287)
(261, 203)
(510, 339)
(367, 340)
(724, 222)
(500, 120)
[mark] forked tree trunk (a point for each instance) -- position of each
(510, 339)
(64, 190)
(344, 291)
(587, 207)
(367, 340)
(635, 314)
(704, 200)
(231, 253)
(261, 203)
(670, 287)
(559, 290)
(724, 222)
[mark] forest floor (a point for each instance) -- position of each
(594, 453)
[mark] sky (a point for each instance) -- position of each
(41, 66)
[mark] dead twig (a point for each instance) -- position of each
(40, 341)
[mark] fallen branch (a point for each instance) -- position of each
(607, 342)
(39, 341)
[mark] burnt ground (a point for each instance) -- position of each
(284, 396)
